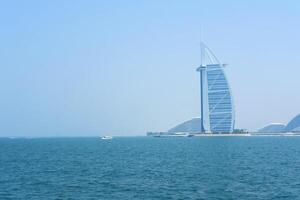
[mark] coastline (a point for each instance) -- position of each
(254, 134)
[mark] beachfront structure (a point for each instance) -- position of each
(273, 128)
(217, 109)
(190, 126)
(293, 125)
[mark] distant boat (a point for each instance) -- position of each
(106, 137)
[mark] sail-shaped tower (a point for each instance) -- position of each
(217, 108)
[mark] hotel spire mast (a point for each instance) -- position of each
(201, 70)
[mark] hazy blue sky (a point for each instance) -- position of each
(71, 68)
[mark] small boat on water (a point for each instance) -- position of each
(106, 137)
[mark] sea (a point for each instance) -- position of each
(150, 168)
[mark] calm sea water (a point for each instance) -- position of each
(150, 168)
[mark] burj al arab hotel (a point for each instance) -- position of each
(217, 108)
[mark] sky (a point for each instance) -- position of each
(89, 68)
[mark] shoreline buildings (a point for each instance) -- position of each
(217, 109)
(292, 127)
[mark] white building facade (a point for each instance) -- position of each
(217, 108)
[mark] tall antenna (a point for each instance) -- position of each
(202, 52)
(202, 61)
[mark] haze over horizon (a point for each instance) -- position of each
(77, 68)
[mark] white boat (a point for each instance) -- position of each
(106, 137)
